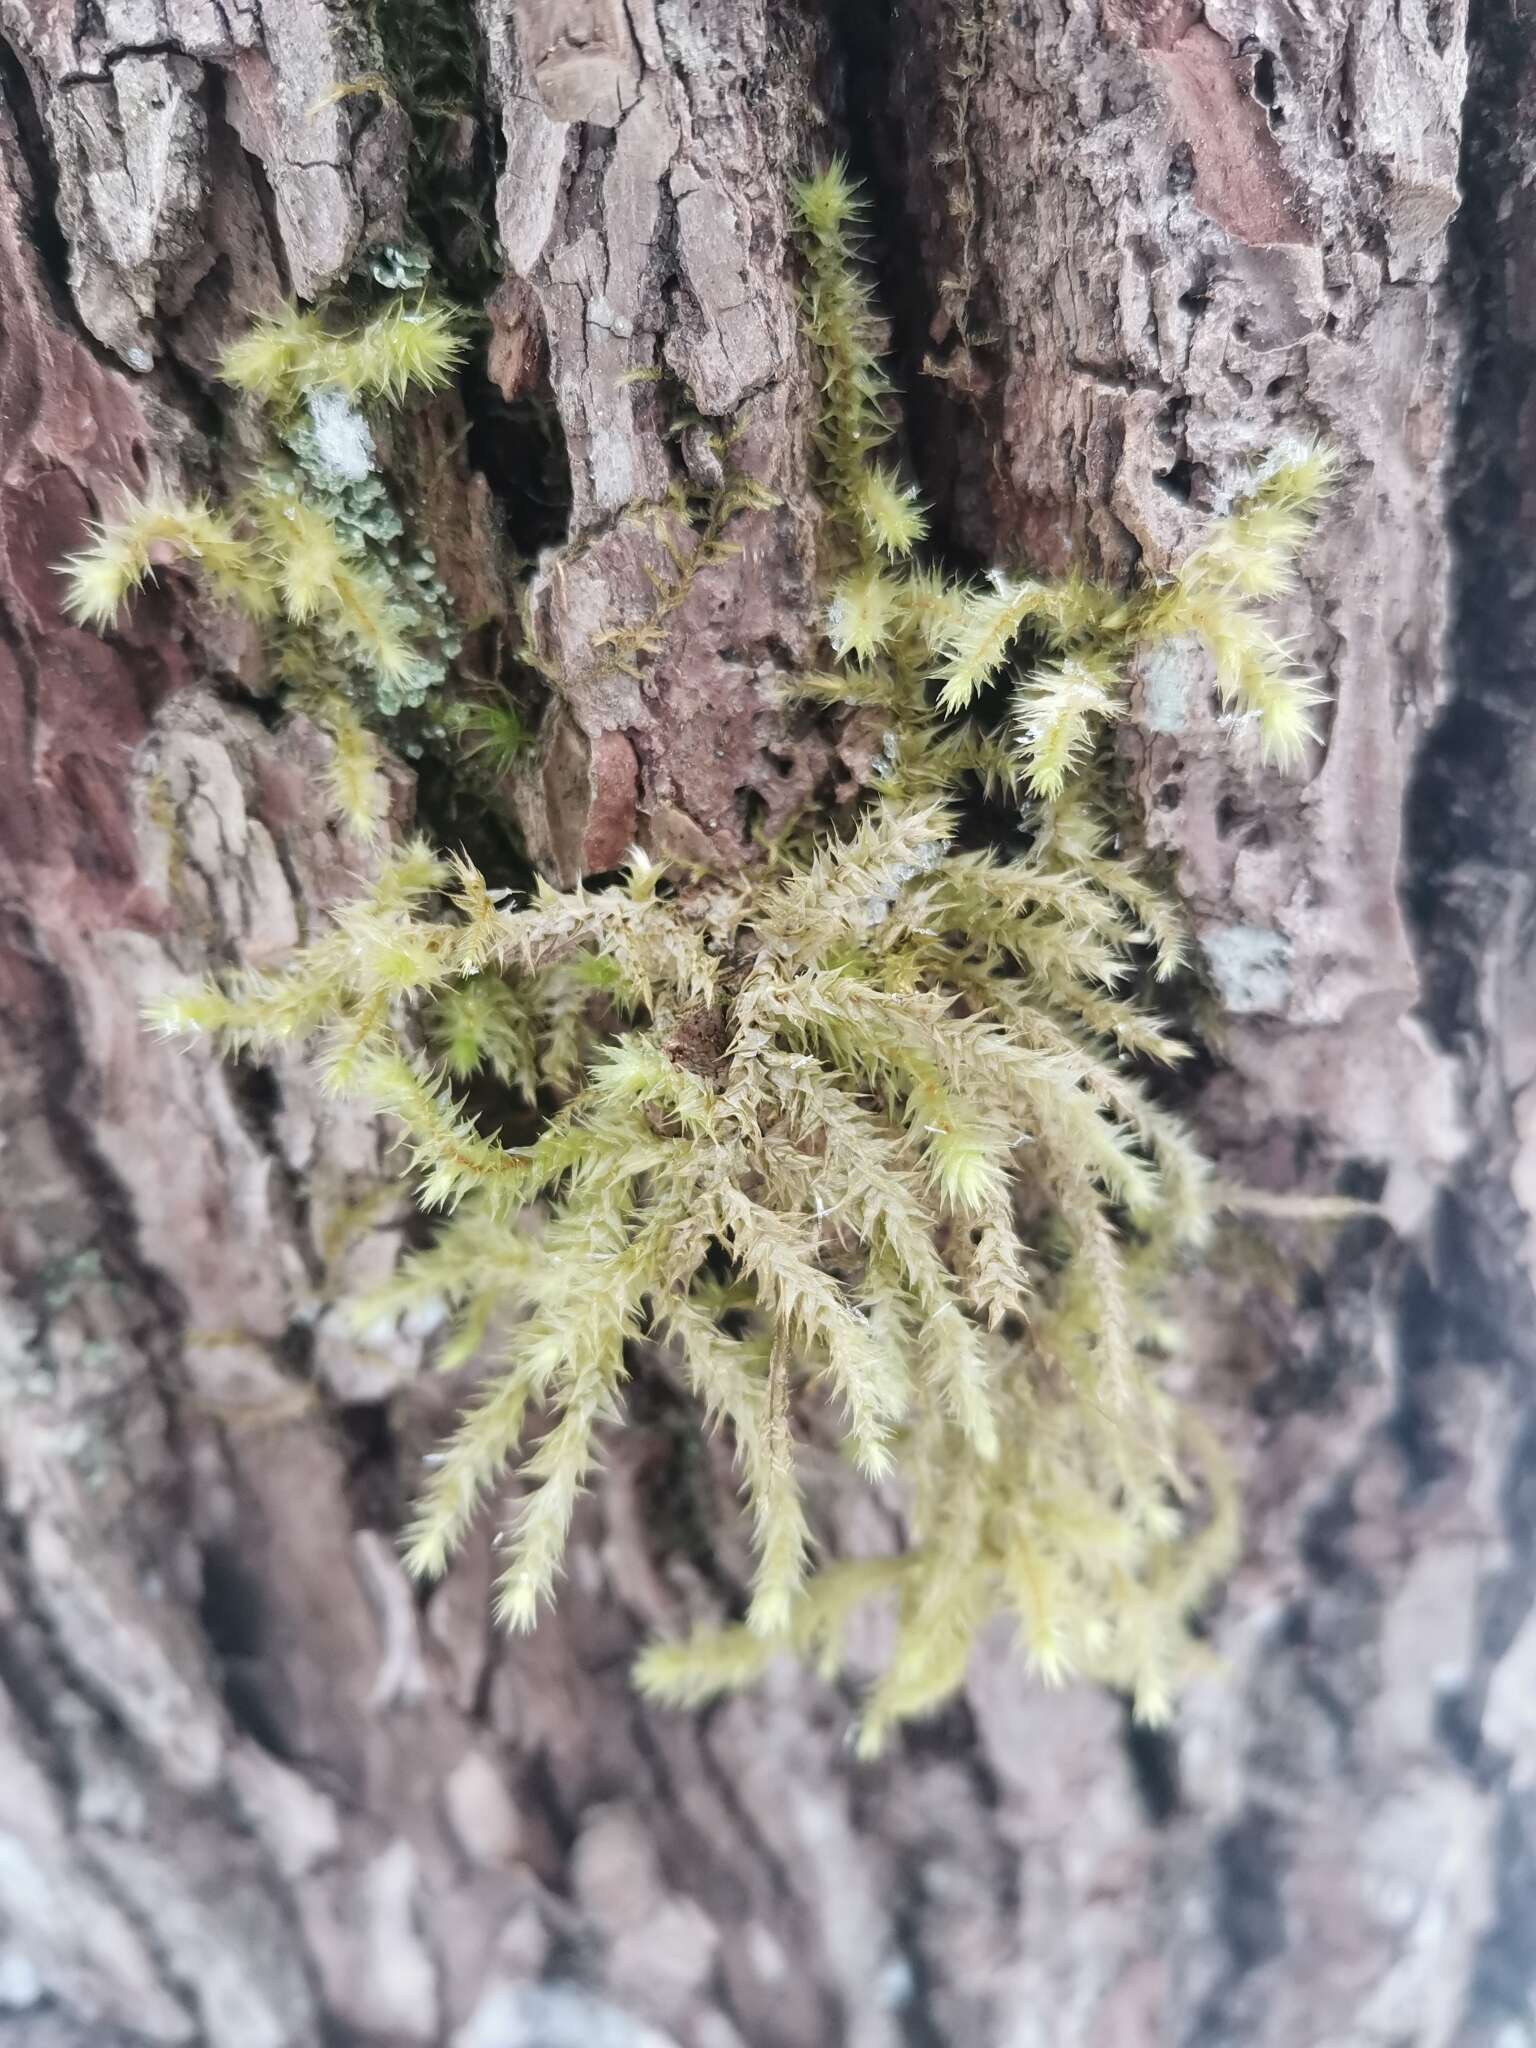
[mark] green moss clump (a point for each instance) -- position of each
(859, 1121)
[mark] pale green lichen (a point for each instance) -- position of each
(398, 269)
(1250, 966)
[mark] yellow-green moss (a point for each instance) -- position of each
(866, 1125)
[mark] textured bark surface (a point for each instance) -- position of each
(254, 1792)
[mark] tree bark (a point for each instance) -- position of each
(254, 1791)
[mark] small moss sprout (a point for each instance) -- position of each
(312, 548)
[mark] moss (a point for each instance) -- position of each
(691, 527)
(313, 548)
(856, 1126)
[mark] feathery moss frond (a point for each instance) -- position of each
(977, 643)
(159, 527)
(354, 776)
(1056, 715)
(847, 337)
(863, 614)
(278, 357)
(1247, 558)
(413, 344)
(480, 1025)
(893, 519)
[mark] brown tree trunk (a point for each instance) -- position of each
(254, 1792)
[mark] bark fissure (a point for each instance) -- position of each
(1470, 848)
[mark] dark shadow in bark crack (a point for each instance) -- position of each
(1470, 854)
